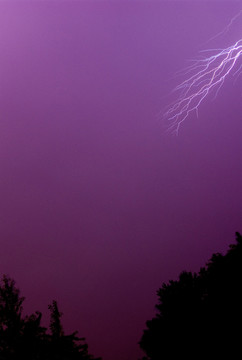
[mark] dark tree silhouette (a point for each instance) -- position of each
(11, 322)
(55, 322)
(25, 338)
(68, 347)
(199, 316)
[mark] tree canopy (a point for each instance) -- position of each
(199, 315)
(24, 337)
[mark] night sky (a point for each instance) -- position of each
(98, 205)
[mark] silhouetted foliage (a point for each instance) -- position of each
(199, 316)
(55, 322)
(25, 338)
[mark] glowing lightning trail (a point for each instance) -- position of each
(210, 73)
(226, 29)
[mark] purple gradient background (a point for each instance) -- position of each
(98, 207)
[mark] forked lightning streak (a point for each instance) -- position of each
(209, 73)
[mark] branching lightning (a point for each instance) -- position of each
(206, 74)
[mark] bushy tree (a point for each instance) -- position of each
(199, 315)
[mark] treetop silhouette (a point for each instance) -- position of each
(25, 338)
(200, 314)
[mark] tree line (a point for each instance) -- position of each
(198, 316)
(23, 337)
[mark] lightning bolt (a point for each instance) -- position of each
(226, 29)
(209, 73)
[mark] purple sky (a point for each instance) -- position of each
(98, 207)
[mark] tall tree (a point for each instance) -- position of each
(65, 347)
(55, 321)
(11, 322)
